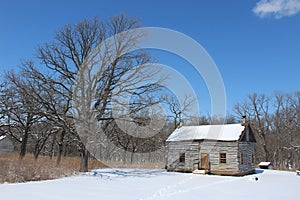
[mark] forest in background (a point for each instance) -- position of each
(37, 102)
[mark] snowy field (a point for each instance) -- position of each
(131, 184)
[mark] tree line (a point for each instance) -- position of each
(275, 121)
(46, 103)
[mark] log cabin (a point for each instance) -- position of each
(226, 149)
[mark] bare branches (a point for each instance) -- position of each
(178, 108)
(275, 119)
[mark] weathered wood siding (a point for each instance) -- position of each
(193, 150)
(214, 148)
(6, 146)
(174, 149)
(247, 148)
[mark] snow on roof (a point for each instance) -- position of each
(264, 163)
(224, 132)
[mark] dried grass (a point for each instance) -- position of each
(12, 169)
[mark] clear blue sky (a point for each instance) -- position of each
(255, 44)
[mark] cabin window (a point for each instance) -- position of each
(242, 158)
(223, 158)
(182, 158)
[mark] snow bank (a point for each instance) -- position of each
(129, 184)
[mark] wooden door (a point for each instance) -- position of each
(204, 161)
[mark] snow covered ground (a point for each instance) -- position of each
(130, 184)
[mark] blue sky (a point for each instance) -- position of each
(255, 44)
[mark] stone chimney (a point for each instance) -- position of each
(244, 120)
(180, 124)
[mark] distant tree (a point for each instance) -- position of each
(256, 109)
(20, 111)
(275, 122)
(285, 140)
(40, 134)
(230, 119)
(178, 108)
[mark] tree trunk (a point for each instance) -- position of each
(131, 157)
(175, 123)
(60, 147)
(36, 151)
(52, 147)
(84, 164)
(39, 147)
(24, 144)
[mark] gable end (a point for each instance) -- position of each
(247, 135)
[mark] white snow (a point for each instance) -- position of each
(225, 132)
(131, 184)
(264, 163)
(2, 137)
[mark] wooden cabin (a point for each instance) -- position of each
(216, 149)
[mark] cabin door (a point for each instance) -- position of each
(204, 161)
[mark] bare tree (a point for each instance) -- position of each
(275, 121)
(40, 134)
(20, 110)
(179, 108)
(285, 140)
(69, 65)
(256, 109)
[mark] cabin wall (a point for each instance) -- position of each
(191, 150)
(247, 148)
(214, 148)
